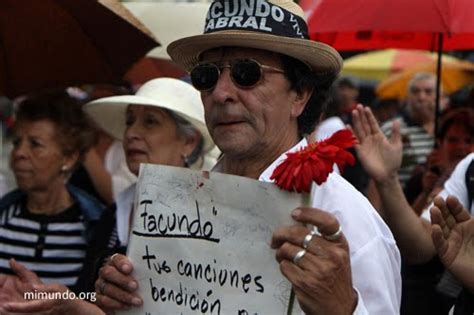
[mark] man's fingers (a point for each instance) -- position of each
(293, 234)
(110, 274)
(122, 263)
(109, 305)
(326, 223)
(120, 295)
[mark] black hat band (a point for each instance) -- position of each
(254, 15)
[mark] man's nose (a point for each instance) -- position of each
(224, 88)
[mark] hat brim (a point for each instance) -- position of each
(321, 58)
(109, 114)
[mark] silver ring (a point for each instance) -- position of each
(334, 237)
(113, 256)
(315, 231)
(307, 239)
(299, 255)
(102, 287)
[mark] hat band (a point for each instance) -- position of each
(254, 15)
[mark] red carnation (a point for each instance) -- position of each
(314, 162)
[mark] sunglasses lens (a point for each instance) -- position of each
(204, 76)
(246, 73)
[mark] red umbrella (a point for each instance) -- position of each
(374, 24)
(57, 43)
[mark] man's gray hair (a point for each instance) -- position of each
(420, 76)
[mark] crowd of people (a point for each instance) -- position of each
(395, 232)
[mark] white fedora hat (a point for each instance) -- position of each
(273, 25)
(171, 94)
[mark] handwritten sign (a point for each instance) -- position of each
(200, 243)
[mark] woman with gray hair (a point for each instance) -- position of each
(162, 124)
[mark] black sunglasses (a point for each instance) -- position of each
(245, 73)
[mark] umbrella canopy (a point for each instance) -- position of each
(150, 68)
(58, 43)
(170, 21)
(455, 75)
(376, 24)
(379, 64)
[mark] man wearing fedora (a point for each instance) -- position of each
(263, 84)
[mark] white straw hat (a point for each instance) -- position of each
(273, 25)
(171, 94)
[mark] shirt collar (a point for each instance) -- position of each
(265, 176)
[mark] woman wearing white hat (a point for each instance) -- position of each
(162, 124)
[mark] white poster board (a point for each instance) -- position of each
(200, 243)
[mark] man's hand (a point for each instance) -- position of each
(321, 275)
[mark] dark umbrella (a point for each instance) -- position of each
(58, 43)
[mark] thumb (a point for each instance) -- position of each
(24, 273)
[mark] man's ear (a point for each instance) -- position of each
(300, 101)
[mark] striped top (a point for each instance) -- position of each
(52, 246)
(417, 145)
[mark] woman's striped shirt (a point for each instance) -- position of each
(52, 246)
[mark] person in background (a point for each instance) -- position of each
(6, 124)
(416, 123)
(331, 122)
(386, 109)
(345, 97)
(381, 157)
(103, 173)
(455, 141)
(162, 124)
(46, 224)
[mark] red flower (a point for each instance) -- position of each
(314, 162)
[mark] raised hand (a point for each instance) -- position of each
(380, 157)
(453, 237)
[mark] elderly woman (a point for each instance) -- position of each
(263, 84)
(46, 224)
(162, 124)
